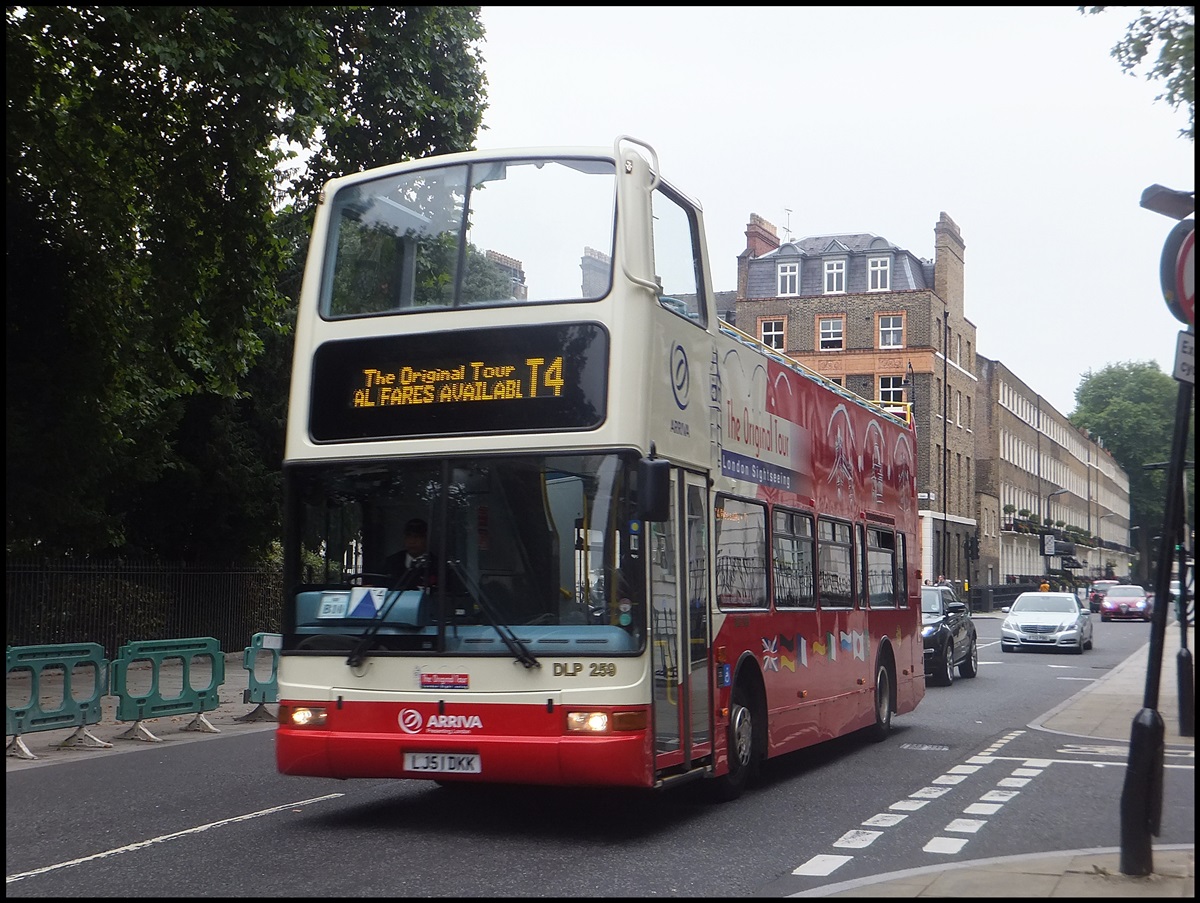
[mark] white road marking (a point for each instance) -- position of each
(963, 769)
(1013, 782)
(982, 809)
(909, 805)
(929, 793)
(857, 840)
(999, 796)
(822, 865)
(945, 845)
(142, 844)
(1027, 772)
(885, 820)
(950, 779)
(966, 825)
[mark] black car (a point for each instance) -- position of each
(1098, 591)
(949, 633)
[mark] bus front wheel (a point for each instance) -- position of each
(743, 746)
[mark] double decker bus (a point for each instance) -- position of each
(656, 550)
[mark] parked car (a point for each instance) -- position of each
(1099, 588)
(949, 634)
(1046, 621)
(1126, 603)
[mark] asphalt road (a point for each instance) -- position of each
(213, 818)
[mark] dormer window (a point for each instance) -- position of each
(879, 274)
(789, 279)
(835, 277)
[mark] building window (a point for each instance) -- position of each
(837, 380)
(789, 279)
(879, 277)
(771, 332)
(891, 332)
(835, 277)
(832, 332)
(891, 389)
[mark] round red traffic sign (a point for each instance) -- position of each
(1185, 277)
(1177, 272)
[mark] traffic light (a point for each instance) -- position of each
(971, 547)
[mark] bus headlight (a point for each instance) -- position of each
(605, 722)
(587, 722)
(302, 715)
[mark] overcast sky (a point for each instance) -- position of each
(1015, 121)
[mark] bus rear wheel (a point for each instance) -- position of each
(883, 703)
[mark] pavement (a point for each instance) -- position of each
(1104, 709)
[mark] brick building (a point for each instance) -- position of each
(891, 326)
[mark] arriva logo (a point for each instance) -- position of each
(411, 722)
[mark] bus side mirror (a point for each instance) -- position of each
(654, 489)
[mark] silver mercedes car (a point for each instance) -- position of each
(1046, 621)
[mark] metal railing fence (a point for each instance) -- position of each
(117, 601)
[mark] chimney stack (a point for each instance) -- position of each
(761, 236)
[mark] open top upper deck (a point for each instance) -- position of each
(545, 297)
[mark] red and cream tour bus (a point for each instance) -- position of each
(655, 550)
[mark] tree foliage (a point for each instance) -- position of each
(154, 243)
(1131, 407)
(1172, 29)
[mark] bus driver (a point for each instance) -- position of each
(416, 545)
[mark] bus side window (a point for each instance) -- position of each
(676, 259)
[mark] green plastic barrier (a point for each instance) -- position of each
(62, 661)
(195, 654)
(261, 691)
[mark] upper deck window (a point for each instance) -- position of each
(497, 232)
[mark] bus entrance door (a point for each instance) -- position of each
(679, 584)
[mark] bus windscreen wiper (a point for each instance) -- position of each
(406, 582)
(511, 640)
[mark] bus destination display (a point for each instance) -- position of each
(511, 379)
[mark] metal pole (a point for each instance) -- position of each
(1141, 796)
(1183, 659)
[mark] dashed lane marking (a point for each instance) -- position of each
(856, 840)
(945, 845)
(966, 825)
(822, 865)
(989, 803)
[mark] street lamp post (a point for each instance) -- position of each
(1046, 513)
